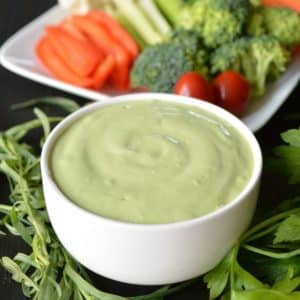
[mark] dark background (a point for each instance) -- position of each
(13, 89)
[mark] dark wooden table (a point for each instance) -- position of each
(13, 89)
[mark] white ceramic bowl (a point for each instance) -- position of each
(150, 254)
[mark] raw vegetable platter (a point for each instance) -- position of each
(23, 61)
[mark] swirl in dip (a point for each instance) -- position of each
(151, 162)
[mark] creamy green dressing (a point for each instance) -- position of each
(151, 162)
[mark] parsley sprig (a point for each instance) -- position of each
(265, 262)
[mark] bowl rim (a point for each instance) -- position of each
(206, 106)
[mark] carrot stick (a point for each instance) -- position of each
(68, 26)
(292, 4)
(120, 78)
(56, 66)
(116, 30)
(81, 56)
(101, 37)
(103, 72)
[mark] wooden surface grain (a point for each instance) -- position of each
(13, 89)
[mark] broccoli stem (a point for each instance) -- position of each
(153, 13)
(171, 9)
(262, 66)
(135, 16)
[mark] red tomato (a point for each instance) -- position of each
(233, 92)
(192, 84)
(296, 51)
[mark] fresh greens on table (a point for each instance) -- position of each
(270, 250)
(264, 263)
(48, 272)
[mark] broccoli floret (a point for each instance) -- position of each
(255, 2)
(159, 66)
(255, 26)
(257, 58)
(216, 21)
(281, 23)
(194, 49)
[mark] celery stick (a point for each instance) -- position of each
(153, 13)
(171, 9)
(124, 22)
(131, 29)
(136, 17)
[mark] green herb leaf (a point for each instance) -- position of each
(19, 131)
(287, 160)
(88, 288)
(244, 280)
(264, 294)
(44, 121)
(288, 230)
(217, 279)
(268, 269)
(17, 272)
(21, 257)
(292, 137)
(287, 285)
(64, 103)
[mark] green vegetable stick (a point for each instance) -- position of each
(152, 12)
(136, 17)
(127, 25)
(171, 9)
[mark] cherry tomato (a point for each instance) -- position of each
(233, 92)
(192, 84)
(296, 51)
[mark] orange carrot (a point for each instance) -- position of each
(68, 26)
(120, 78)
(103, 72)
(116, 30)
(81, 56)
(270, 3)
(101, 37)
(292, 4)
(57, 67)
